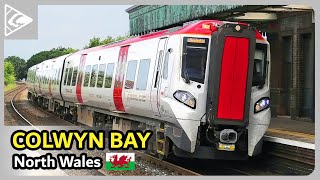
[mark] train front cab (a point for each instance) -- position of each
(237, 108)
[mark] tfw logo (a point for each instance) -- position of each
(14, 20)
(120, 161)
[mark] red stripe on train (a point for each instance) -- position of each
(233, 79)
(80, 77)
(118, 83)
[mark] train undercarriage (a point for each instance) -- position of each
(167, 139)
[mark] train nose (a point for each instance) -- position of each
(228, 136)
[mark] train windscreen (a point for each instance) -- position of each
(194, 59)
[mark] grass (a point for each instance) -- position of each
(9, 87)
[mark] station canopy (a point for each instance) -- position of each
(148, 18)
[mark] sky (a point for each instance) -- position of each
(71, 26)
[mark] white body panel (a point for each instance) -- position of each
(155, 102)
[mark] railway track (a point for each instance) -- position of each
(276, 155)
(165, 164)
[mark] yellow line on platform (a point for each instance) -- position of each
(292, 133)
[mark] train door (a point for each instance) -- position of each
(119, 78)
(163, 80)
(155, 101)
(80, 78)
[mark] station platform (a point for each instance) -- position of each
(287, 131)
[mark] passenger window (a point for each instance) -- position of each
(87, 76)
(143, 74)
(93, 76)
(102, 68)
(165, 66)
(74, 76)
(65, 76)
(131, 74)
(69, 76)
(109, 74)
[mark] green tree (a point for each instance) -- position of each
(96, 41)
(9, 75)
(19, 65)
(45, 55)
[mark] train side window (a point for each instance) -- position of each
(53, 75)
(131, 74)
(194, 59)
(166, 66)
(102, 68)
(93, 75)
(143, 74)
(60, 70)
(74, 76)
(56, 76)
(69, 76)
(109, 74)
(87, 76)
(65, 76)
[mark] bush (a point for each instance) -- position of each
(9, 75)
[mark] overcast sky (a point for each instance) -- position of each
(71, 26)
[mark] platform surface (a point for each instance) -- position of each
(285, 128)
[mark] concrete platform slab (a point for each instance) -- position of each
(289, 130)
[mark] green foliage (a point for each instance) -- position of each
(19, 66)
(96, 41)
(45, 55)
(9, 75)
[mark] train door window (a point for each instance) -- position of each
(87, 76)
(74, 76)
(143, 74)
(65, 76)
(69, 76)
(158, 68)
(194, 58)
(93, 75)
(102, 68)
(109, 74)
(166, 66)
(131, 74)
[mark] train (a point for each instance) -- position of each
(202, 88)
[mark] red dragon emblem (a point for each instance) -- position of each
(122, 161)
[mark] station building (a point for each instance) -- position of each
(289, 29)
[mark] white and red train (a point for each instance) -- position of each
(202, 88)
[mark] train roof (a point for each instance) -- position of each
(195, 27)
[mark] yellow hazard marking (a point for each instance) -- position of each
(292, 133)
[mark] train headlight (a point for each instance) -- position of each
(262, 104)
(185, 98)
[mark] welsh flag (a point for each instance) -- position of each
(120, 161)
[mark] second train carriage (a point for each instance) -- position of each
(202, 88)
